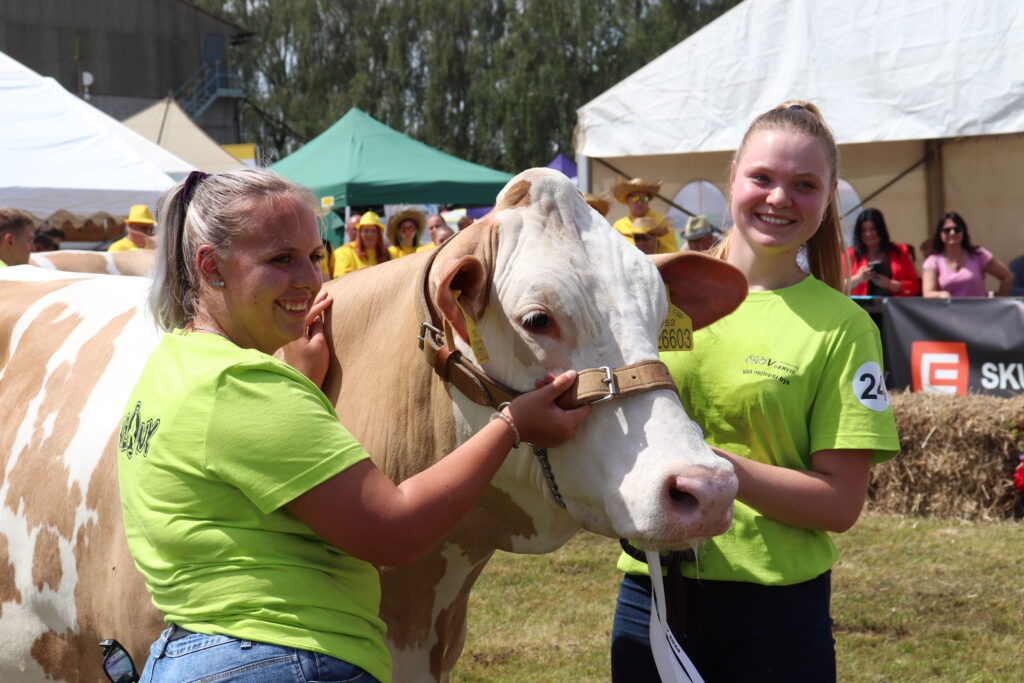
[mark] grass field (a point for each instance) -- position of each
(913, 600)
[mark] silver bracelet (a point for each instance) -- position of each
(510, 423)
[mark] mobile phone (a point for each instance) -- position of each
(875, 266)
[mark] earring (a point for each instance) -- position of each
(217, 283)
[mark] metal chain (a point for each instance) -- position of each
(549, 476)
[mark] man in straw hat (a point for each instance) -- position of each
(637, 193)
(404, 230)
(699, 234)
(644, 232)
(139, 228)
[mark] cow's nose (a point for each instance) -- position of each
(702, 497)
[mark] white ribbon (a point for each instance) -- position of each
(673, 664)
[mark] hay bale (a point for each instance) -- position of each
(958, 457)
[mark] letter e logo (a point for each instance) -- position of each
(940, 367)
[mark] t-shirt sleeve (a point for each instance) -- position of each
(931, 263)
(274, 436)
(851, 409)
(984, 257)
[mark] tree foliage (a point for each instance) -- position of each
(497, 82)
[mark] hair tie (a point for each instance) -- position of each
(797, 106)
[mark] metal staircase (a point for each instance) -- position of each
(209, 82)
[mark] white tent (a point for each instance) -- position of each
(60, 154)
(927, 95)
(166, 124)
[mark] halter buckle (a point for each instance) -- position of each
(609, 379)
(424, 327)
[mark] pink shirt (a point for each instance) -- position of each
(968, 281)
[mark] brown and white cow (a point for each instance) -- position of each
(133, 262)
(550, 285)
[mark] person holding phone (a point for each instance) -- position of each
(880, 266)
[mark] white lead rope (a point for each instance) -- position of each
(673, 664)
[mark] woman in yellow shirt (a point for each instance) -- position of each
(368, 249)
(404, 230)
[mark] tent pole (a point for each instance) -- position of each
(935, 182)
(583, 173)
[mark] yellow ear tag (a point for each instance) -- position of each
(475, 340)
(677, 330)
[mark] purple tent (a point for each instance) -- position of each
(565, 165)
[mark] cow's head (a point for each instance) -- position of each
(551, 286)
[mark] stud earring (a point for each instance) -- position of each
(217, 283)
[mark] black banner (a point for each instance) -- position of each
(955, 346)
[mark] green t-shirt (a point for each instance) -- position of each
(214, 442)
(791, 372)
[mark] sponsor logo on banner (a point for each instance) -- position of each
(940, 367)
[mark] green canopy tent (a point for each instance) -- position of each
(359, 161)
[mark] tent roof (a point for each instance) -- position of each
(166, 124)
(360, 161)
(61, 153)
(878, 70)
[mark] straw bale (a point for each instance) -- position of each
(957, 459)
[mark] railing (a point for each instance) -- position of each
(209, 82)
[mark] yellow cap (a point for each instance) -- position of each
(370, 218)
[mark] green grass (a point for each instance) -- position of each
(913, 600)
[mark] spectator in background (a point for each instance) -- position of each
(54, 233)
(351, 228)
(404, 230)
(637, 194)
(880, 266)
(699, 234)
(465, 222)
(42, 242)
(644, 234)
(435, 223)
(368, 248)
(16, 228)
(442, 234)
(1017, 270)
(140, 228)
(956, 267)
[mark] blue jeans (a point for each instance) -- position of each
(199, 658)
(734, 631)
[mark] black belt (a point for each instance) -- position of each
(177, 633)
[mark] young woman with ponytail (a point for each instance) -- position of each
(789, 388)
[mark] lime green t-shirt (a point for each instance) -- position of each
(791, 372)
(214, 442)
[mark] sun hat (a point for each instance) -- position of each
(598, 202)
(697, 227)
(370, 218)
(406, 214)
(624, 188)
(140, 213)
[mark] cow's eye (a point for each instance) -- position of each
(536, 321)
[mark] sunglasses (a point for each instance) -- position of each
(145, 229)
(117, 663)
(946, 231)
(642, 237)
(640, 197)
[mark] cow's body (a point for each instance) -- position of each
(73, 349)
(133, 262)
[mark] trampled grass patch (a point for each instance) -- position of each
(914, 599)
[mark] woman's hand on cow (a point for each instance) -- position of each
(539, 416)
(309, 354)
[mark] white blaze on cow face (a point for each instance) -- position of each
(569, 292)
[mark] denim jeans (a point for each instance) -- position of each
(734, 631)
(198, 658)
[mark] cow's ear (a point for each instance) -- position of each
(705, 288)
(468, 276)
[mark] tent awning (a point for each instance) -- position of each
(360, 161)
(878, 70)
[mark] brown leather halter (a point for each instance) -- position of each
(593, 385)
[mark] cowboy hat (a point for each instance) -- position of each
(624, 188)
(395, 221)
(697, 227)
(598, 202)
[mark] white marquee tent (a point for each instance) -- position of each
(166, 124)
(62, 156)
(926, 98)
